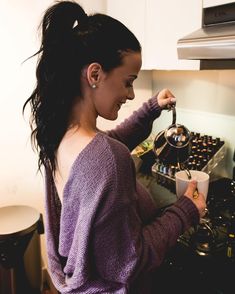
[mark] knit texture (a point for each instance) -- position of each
(104, 237)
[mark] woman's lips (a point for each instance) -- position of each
(120, 104)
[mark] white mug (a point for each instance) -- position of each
(182, 180)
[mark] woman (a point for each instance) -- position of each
(102, 232)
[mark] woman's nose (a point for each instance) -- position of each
(131, 94)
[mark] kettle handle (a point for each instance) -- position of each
(172, 107)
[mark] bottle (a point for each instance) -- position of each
(198, 165)
(193, 149)
(231, 245)
(231, 239)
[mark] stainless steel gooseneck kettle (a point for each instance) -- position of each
(173, 145)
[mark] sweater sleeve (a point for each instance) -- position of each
(135, 129)
(123, 246)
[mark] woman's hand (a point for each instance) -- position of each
(165, 98)
(197, 198)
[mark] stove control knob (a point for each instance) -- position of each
(231, 246)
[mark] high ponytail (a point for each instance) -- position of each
(70, 40)
(53, 96)
(59, 21)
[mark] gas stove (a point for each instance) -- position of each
(211, 235)
(203, 261)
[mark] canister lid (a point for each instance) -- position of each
(17, 220)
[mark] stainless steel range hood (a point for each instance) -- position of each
(214, 43)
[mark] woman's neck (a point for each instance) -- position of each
(83, 117)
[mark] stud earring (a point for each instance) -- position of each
(93, 86)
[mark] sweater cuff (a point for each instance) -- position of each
(155, 109)
(186, 211)
(189, 209)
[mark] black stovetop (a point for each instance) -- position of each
(211, 235)
(203, 261)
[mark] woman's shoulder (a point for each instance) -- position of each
(104, 164)
(102, 153)
(102, 146)
(114, 146)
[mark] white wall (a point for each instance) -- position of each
(19, 181)
(205, 104)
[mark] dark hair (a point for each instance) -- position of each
(63, 53)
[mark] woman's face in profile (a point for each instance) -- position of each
(116, 86)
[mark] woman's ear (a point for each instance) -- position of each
(93, 74)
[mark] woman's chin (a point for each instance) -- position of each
(111, 116)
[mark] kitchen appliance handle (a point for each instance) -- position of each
(173, 114)
(172, 107)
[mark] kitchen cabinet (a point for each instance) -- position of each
(91, 6)
(158, 25)
(132, 15)
(209, 3)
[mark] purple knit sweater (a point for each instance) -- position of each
(104, 237)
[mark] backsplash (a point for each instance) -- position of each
(205, 104)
